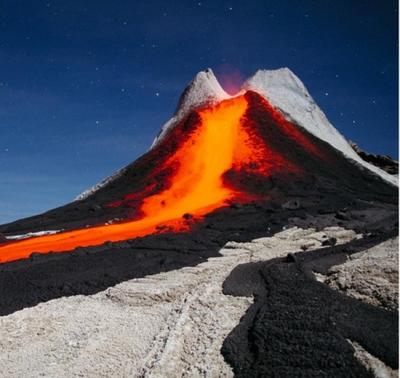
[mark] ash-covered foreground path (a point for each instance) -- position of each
(166, 325)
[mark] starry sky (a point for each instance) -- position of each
(86, 85)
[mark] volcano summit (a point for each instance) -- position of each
(224, 171)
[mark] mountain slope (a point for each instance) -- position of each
(286, 92)
(282, 88)
(207, 179)
(239, 150)
(148, 274)
(204, 89)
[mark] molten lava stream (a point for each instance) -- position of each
(196, 187)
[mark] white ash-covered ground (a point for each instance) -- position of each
(166, 325)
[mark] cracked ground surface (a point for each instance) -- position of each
(168, 324)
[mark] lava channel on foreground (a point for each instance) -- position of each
(221, 150)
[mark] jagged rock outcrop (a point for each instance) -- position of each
(384, 162)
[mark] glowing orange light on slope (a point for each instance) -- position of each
(196, 187)
(203, 159)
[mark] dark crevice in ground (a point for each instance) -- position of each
(297, 326)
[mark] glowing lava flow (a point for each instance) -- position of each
(217, 144)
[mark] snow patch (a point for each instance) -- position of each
(203, 89)
(100, 185)
(32, 234)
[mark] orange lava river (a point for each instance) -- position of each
(218, 144)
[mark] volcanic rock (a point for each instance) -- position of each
(2, 238)
(384, 162)
(371, 276)
(162, 325)
(95, 208)
(342, 215)
(291, 205)
(143, 259)
(287, 331)
(285, 91)
(329, 241)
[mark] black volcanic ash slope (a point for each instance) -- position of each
(93, 210)
(90, 270)
(298, 327)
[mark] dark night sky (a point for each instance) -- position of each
(86, 85)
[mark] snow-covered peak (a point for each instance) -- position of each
(281, 77)
(285, 91)
(203, 89)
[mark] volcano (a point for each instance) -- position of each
(223, 169)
